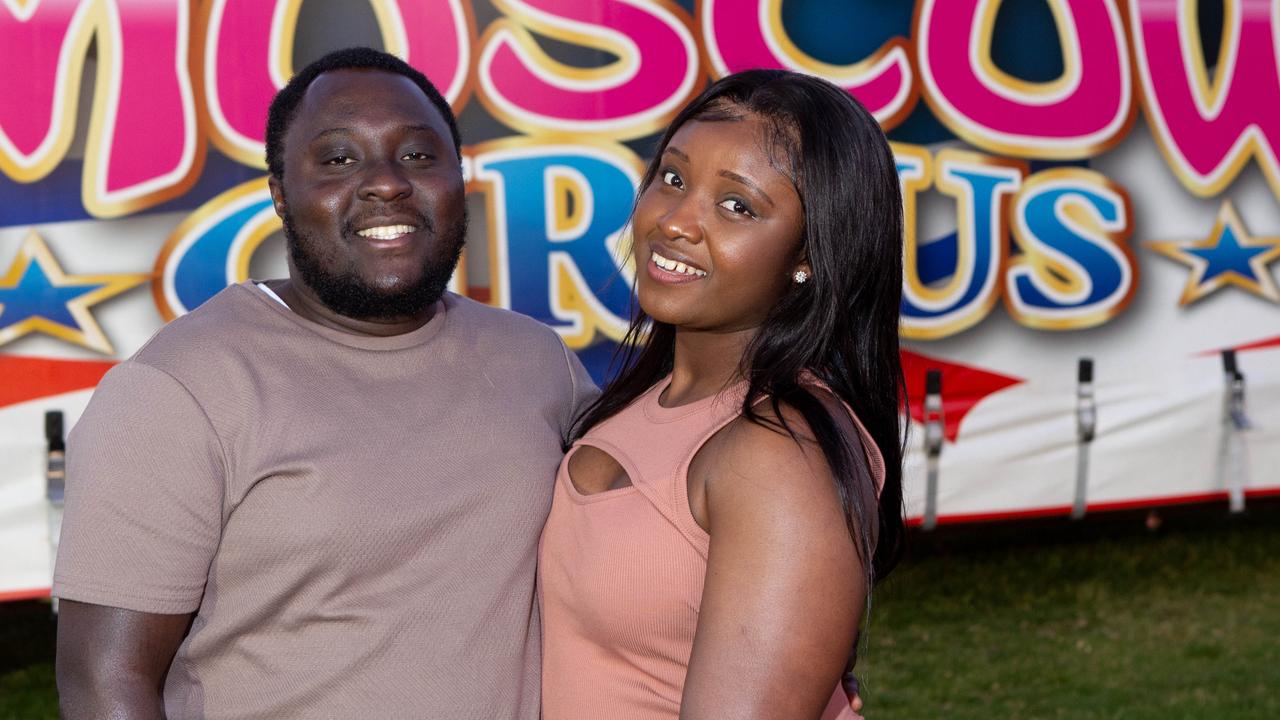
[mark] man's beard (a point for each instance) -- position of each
(345, 293)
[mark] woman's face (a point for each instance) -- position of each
(717, 232)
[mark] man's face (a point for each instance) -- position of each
(372, 196)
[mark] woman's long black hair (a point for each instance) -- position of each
(842, 325)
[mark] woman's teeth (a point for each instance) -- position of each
(676, 266)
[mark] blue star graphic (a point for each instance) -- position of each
(34, 296)
(1228, 255)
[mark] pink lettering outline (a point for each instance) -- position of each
(1081, 114)
(1206, 131)
(736, 39)
(657, 70)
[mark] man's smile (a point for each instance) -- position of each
(387, 232)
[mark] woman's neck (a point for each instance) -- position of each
(704, 364)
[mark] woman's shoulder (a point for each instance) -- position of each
(778, 436)
(776, 442)
(755, 470)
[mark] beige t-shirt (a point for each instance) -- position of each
(353, 520)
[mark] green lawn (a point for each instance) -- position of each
(1051, 620)
(26, 662)
(1111, 622)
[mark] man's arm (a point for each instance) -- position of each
(111, 662)
(142, 524)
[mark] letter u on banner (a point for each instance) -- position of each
(967, 290)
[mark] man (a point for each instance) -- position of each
(322, 496)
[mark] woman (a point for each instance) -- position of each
(731, 497)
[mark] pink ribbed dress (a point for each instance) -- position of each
(620, 572)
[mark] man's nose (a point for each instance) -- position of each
(384, 180)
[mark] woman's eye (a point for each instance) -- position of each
(669, 177)
(735, 206)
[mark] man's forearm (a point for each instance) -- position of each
(88, 695)
(112, 662)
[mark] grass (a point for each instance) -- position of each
(1054, 620)
(1105, 623)
(26, 661)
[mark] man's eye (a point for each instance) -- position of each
(339, 160)
(416, 156)
(735, 206)
(669, 177)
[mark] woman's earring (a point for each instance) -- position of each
(801, 277)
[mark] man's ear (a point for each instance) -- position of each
(277, 194)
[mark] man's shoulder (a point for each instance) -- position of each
(507, 341)
(228, 320)
(489, 324)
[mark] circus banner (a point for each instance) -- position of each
(1091, 317)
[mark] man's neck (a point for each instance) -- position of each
(301, 300)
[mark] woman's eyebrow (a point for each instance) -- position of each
(745, 181)
(740, 179)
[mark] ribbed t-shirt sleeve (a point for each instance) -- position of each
(583, 390)
(145, 478)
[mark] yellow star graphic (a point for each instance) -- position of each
(86, 332)
(1228, 256)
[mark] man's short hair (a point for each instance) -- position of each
(285, 104)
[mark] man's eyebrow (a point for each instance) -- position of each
(331, 131)
(421, 128)
(743, 180)
(348, 131)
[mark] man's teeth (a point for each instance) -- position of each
(676, 266)
(387, 232)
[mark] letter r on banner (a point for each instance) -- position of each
(557, 216)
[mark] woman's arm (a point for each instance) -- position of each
(784, 590)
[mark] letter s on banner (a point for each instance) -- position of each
(656, 72)
(744, 34)
(1208, 131)
(1080, 114)
(1075, 270)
